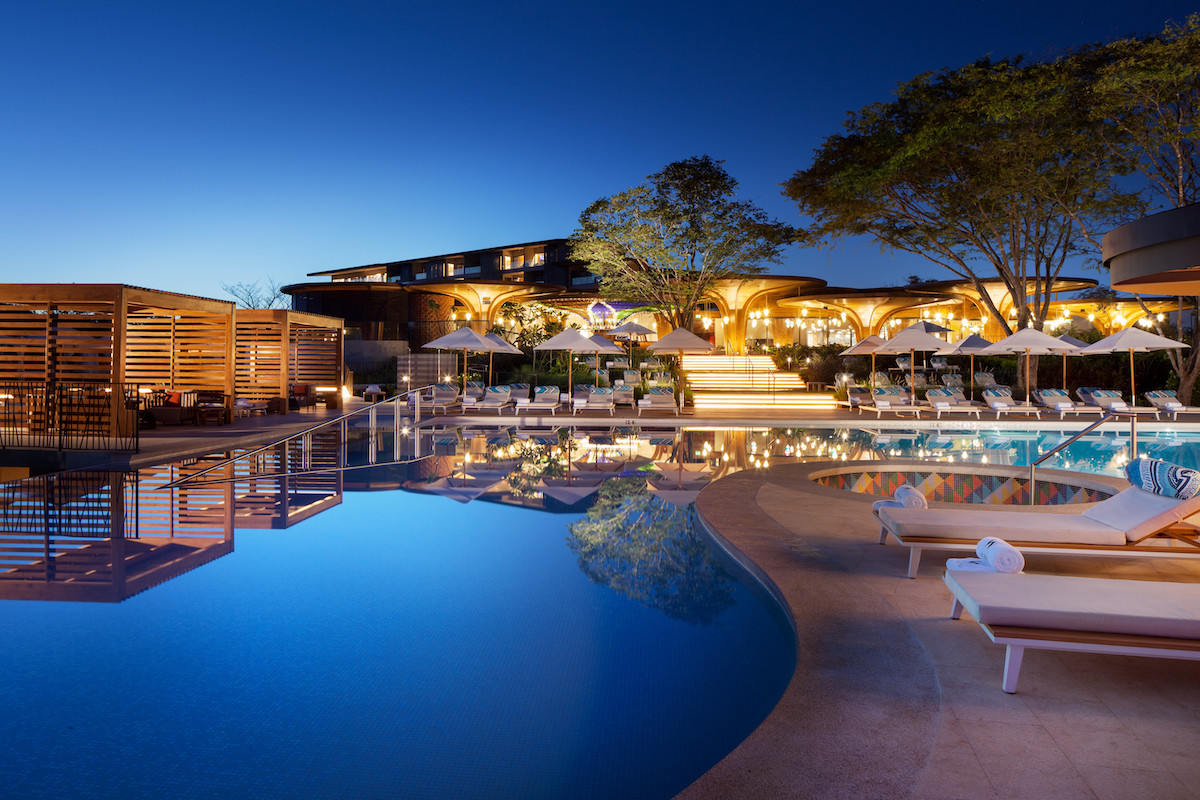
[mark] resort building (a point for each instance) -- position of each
(396, 307)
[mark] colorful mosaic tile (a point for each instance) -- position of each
(961, 487)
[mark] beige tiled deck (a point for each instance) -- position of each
(892, 698)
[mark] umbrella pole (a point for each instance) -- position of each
(872, 370)
(971, 383)
(1132, 397)
(681, 380)
(491, 377)
(1026, 376)
(912, 376)
(1064, 370)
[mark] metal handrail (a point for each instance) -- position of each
(368, 409)
(1110, 415)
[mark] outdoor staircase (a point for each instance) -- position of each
(746, 383)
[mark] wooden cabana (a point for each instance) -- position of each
(278, 349)
(73, 357)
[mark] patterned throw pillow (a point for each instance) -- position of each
(1162, 478)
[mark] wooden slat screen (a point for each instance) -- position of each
(177, 350)
(315, 356)
(258, 355)
(39, 341)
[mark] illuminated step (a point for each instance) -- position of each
(763, 382)
(748, 401)
(728, 364)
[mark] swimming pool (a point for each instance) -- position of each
(392, 645)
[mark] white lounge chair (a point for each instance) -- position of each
(602, 398)
(1000, 400)
(1167, 402)
(496, 397)
(545, 398)
(658, 398)
(1133, 522)
(1060, 401)
(893, 399)
(1083, 615)
(945, 401)
(444, 397)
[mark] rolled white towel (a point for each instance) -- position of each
(910, 497)
(878, 504)
(1000, 555)
(969, 565)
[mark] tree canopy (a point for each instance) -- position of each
(665, 242)
(971, 168)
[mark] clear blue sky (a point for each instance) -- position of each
(180, 145)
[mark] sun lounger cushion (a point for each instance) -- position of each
(1034, 526)
(1161, 477)
(1099, 605)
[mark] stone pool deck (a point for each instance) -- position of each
(893, 699)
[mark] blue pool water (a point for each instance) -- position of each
(396, 645)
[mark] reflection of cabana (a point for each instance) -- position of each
(96, 536)
(277, 349)
(79, 350)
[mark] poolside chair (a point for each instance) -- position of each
(986, 380)
(946, 401)
(650, 364)
(1111, 400)
(939, 363)
(618, 363)
(545, 398)
(1159, 619)
(1060, 401)
(1000, 400)
(623, 396)
(444, 397)
(658, 398)
(856, 397)
(1136, 522)
(952, 381)
(893, 399)
(915, 381)
(1167, 402)
(473, 389)
(632, 377)
(497, 397)
(601, 397)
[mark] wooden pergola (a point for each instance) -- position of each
(278, 348)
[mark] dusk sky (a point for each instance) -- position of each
(182, 145)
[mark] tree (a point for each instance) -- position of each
(970, 168)
(252, 295)
(665, 242)
(1146, 101)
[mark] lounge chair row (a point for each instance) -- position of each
(444, 397)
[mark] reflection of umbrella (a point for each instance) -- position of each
(569, 491)
(462, 489)
(573, 341)
(501, 347)
(674, 497)
(680, 340)
(910, 340)
(968, 346)
(1029, 341)
(1133, 340)
(1079, 343)
(465, 339)
(863, 347)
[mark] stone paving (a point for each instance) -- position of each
(893, 699)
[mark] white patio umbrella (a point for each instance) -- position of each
(465, 339)
(630, 329)
(911, 340)
(1029, 341)
(925, 326)
(1135, 340)
(1069, 339)
(967, 346)
(863, 347)
(569, 491)
(680, 340)
(501, 347)
(573, 341)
